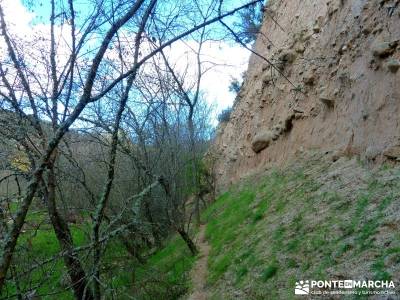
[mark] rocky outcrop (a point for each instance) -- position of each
(333, 86)
(384, 49)
(393, 152)
(393, 65)
(262, 141)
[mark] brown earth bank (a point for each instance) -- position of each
(333, 86)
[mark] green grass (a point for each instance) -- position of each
(242, 271)
(38, 245)
(164, 276)
(282, 228)
(166, 273)
(222, 231)
(269, 272)
(379, 270)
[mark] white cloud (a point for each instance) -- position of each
(216, 82)
(226, 61)
(17, 16)
(34, 40)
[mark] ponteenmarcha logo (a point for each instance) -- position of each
(318, 287)
(302, 288)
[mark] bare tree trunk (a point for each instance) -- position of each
(184, 235)
(10, 241)
(75, 270)
(3, 223)
(154, 229)
(194, 167)
(189, 242)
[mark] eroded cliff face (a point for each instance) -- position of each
(334, 87)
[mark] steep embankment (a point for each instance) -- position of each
(312, 220)
(336, 89)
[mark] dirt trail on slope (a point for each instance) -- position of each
(199, 272)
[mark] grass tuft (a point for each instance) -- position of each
(269, 272)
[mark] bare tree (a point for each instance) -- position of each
(47, 90)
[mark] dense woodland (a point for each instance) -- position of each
(102, 141)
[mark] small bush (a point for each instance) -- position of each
(225, 115)
(234, 86)
(250, 22)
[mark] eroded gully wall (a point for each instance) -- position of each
(342, 60)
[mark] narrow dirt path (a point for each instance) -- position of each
(199, 272)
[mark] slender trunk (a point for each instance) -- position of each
(132, 250)
(4, 228)
(75, 270)
(184, 235)
(99, 214)
(192, 247)
(3, 223)
(194, 168)
(113, 153)
(154, 227)
(10, 239)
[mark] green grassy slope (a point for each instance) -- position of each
(313, 220)
(164, 276)
(48, 280)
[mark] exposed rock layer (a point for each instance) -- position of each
(335, 75)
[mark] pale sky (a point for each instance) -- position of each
(231, 59)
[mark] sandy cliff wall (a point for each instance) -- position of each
(341, 93)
